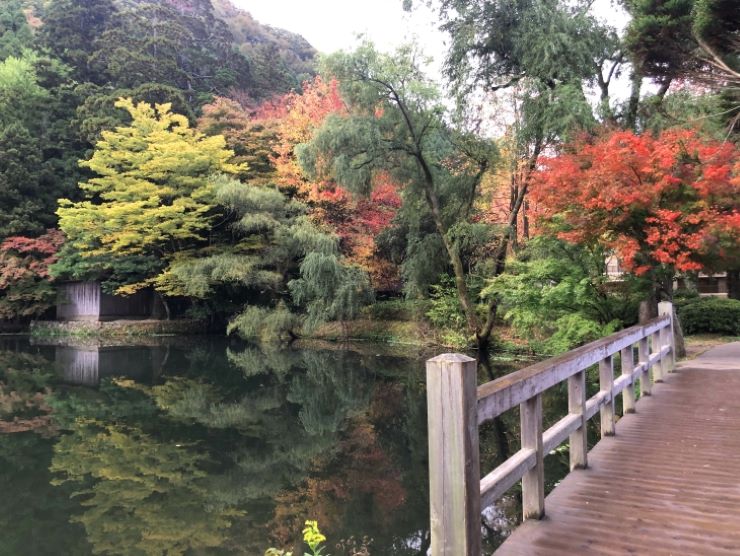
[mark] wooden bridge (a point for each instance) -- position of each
(664, 480)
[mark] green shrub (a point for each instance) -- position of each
(398, 309)
(710, 315)
(264, 324)
(446, 311)
(684, 297)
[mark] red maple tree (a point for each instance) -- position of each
(25, 288)
(669, 200)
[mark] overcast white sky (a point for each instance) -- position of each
(331, 25)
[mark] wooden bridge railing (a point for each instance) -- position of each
(457, 406)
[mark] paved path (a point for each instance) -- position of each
(667, 484)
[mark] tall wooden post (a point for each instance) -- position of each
(666, 308)
(533, 481)
(628, 394)
(606, 384)
(655, 347)
(454, 457)
(643, 356)
(577, 406)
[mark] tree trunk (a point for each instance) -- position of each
(733, 283)
(500, 429)
(678, 338)
(630, 120)
(648, 311)
(166, 306)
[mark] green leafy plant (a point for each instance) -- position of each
(557, 297)
(711, 315)
(313, 537)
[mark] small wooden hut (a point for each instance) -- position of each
(86, 301)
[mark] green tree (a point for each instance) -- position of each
(97, 112)
(165, 43)
(396, 125)
(269, 241)
(15, 33)
(30, 148)
(23, 207)
(70, 30)
(556, 295)
(693, 40)
(153, 194)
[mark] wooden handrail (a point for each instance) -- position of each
(456, 408)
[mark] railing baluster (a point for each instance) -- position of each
(533, 481)
(666, 308)
(606, 381)
(454, 469)
(643, 356)
(577, 406)
(655, 348)
(628, 394)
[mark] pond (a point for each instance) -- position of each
(210, 446)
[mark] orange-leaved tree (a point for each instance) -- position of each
(662, 203)
(356, 221)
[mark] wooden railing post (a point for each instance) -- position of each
(606, 383)
(655, 344)
(577, 406)
(628, 394)
(454, 457)
(643, 356)
(533, 481)
(666, 308)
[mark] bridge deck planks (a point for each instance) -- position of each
(667, 484)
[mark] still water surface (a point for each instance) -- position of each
(209, 446)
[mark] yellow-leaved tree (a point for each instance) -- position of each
(152, 196)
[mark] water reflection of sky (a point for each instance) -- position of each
(215, 447)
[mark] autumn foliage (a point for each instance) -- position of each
(667, 200)
(357, 222)
(24, 274)
(299, 115)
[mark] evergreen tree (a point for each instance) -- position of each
(34, 150)
(155, 42)
(22, 206)
(15, 32)
(70, 30)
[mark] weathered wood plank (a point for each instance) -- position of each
(505, 476)
(560, 432)
(533, 481)
(594, 403)
(454, 468)
(620, 384)
(511, 390)
(577, 407)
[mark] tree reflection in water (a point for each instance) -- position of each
(229, 448)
